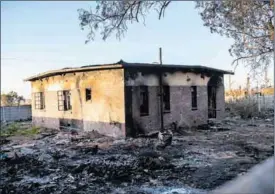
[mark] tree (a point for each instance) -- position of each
(11, 99)
(113, 16)
(249, 23)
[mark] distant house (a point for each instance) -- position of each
(123, 98)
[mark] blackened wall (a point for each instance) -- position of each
(180, 98)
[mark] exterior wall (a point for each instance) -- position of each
(104, 113)
(220, 101)
(180, 99)
(152, 121)
(15, 113)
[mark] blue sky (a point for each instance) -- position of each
(40, 36)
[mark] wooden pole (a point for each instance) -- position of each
(160, 90)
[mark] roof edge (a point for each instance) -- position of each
(121, 64)
(70, 70)
(200, 67)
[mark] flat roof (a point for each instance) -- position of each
(123, 64)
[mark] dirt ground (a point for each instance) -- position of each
(196, 162)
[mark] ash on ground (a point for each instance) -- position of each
(198, 160)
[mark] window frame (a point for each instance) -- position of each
(194, 98)
(64, 100)
(90, 95)
(39, 100)
(165, 95)
(144, 92)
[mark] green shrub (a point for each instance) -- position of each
(29, 132)
(17, 129)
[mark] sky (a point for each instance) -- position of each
(42, 36)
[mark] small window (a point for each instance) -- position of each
(144, 101)
(194, 97)
(88, 94)
(64, 100)
(39, 100)
(166, 98)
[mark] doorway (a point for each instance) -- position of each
(212, 87)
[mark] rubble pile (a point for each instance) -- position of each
(216, 125)
(60, 164)
(65, 162)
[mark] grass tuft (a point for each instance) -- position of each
(13, 129)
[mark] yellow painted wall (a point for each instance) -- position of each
(107, 104)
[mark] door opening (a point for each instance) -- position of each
(212, 88)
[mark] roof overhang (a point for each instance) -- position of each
(72, 70)
(123, 64)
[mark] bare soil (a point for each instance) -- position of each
(196, 162)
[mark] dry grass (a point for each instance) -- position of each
(246, 108)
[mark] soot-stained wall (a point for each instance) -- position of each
(105, 113)
(180, 98)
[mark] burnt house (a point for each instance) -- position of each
(123, 99)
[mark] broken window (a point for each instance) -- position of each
(194, 97)
(144, 101)
(166, 98)
(39, 102)
(88, 94)
(64, 100)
